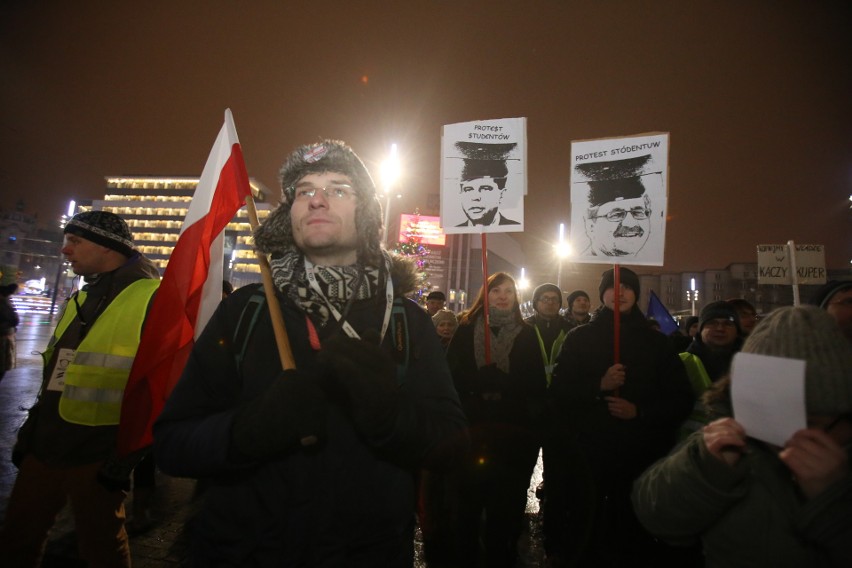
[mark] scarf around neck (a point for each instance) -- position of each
(340, 284)
(501, 342)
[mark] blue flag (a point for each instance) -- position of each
(658, 312)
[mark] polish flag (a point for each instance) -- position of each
(189, 293)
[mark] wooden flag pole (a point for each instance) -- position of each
(285, 352)
(485, 299)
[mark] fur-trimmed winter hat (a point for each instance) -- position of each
(627, 277)
(719, 310)
(275, 235)
(547, 287)
(103, 228)
(806, 332)
(574, 295)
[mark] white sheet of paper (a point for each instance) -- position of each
(768, 395)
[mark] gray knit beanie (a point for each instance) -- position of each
(445, 315)
(275, 235)
(808, 333)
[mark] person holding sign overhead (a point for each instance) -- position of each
(623, 415)
(502, 391)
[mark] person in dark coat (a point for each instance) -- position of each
(622, 415)
(9, 320)
(315, 466)
(503, 396)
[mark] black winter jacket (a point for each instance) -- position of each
(655, 382)
(347, 502)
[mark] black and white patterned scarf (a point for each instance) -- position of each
(338, 283)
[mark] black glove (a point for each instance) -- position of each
(368, 375)
(115, 472)
(290, 412)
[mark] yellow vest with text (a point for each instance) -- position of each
(96, 377)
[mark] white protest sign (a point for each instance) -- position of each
(619, 193)
(484, 176)
(773, 264)
(768, 396)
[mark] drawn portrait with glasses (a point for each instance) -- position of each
(618, 217)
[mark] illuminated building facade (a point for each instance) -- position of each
(155, 207)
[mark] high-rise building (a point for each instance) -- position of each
(155, 208)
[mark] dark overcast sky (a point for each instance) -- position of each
(757, 96)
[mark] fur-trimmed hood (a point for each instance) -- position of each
(403, 274)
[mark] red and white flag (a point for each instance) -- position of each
(189, 292)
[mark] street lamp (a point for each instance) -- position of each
(563, 250)
(390, 172)
(523, 284)
(693, 297)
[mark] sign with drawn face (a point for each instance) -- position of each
(618, 199)
(483, 176)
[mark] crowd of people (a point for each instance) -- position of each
(397, 414)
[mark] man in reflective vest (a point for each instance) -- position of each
(70, 433)
(708, 357)
(551, 330)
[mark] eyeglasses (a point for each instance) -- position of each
(333, 191)
(726, 323)
(638, 213)
(549, 300)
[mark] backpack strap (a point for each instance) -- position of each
(245, 325)
(400, 338)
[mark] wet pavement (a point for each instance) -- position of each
(165, 543)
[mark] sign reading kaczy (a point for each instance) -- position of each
(774, 267)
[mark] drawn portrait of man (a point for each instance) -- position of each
(482, 184)
(618, 218)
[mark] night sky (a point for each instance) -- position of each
(757, 96)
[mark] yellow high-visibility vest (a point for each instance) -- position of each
(96, 377)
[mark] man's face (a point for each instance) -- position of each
(548, 304)
(434, 306)
(839, 307)
(719, 333)
(324, 225)
(86, 258)
(620, 227)
(580, 306)
(480, 199)
(748, 319)
(627, 298)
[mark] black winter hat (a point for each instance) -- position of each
(436, 295)
(103, 228)
(627, 277)
(541, 289)
(719, 310)
(574, 295)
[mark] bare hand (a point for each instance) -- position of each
(725, 440)
(816, 460)
(614, 377)
(621, 408)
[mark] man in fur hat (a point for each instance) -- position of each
(314, 466)
(66, 448)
